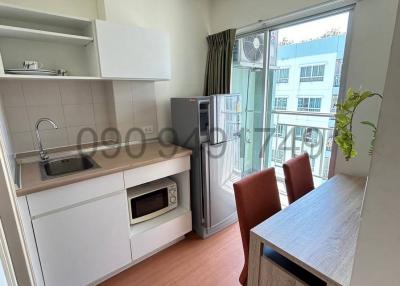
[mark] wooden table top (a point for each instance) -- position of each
(319, 231)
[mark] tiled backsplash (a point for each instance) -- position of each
(134, 106)
(74, 105)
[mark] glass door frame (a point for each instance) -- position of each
(265, 70)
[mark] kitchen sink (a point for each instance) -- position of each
(65, 166)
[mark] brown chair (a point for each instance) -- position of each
(298, 177)
(257, 198)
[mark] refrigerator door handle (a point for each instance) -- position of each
(206, 185)
(213, 119)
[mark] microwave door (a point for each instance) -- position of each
(219, 175)
(224, 117)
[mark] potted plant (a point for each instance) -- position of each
(344, 122)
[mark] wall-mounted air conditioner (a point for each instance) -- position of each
(249, 51)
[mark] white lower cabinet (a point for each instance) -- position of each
(80, 244)
(165, 230)
(80, 234)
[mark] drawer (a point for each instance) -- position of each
(61, 197)
(150, 240)
(272, 274)
(156, 171)
(277, 270)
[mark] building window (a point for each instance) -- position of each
(280, 103)
(312, 73)
(312, 135)
(278, 156)
(338, 71)
(309, 104)
(334, 102)
(280, 130)
(307, 134)
(298, 133)
(282, 75)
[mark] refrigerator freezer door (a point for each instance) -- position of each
(224, 117)
(220, 172)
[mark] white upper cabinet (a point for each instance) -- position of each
(86, 49)
(129, 52)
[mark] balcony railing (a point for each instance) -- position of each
(294, 137)
(290, 138)
(336, 82)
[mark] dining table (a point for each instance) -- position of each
(313, 240)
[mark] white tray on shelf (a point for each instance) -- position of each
(31, 72)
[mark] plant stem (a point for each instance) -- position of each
(352, 115)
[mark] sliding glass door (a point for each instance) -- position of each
(248, 80)
(289, 80)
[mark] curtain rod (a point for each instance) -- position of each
(296, 15)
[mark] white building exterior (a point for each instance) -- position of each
(305, 90)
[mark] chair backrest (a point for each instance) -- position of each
(257, 198)
(298, 177)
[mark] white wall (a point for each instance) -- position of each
(371, 39)
(7, 207)
(4, 131)
(186, 21)
(378, 247)
(238, 13)
(368, 61)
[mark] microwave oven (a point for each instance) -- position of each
(152, 199)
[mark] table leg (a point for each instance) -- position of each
(255, 252)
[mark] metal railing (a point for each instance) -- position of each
(304, 113)
(336, 82)
(294, 138)
(290, 137)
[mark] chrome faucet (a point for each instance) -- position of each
(42, 152)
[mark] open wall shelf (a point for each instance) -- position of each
(38, 35)
(48, 77)
(56, 41)
(16, 13)
(86, 49)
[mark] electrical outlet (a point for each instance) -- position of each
(148, 129)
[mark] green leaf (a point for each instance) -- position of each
(366, 94)
(368, 124)
(374, 129)
(344, 125)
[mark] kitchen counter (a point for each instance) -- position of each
(31, 180)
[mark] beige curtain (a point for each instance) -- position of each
(219, 62)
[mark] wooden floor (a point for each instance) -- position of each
(216, 261)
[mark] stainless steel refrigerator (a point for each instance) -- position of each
(210, 126)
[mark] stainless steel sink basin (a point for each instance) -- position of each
(65, 166)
